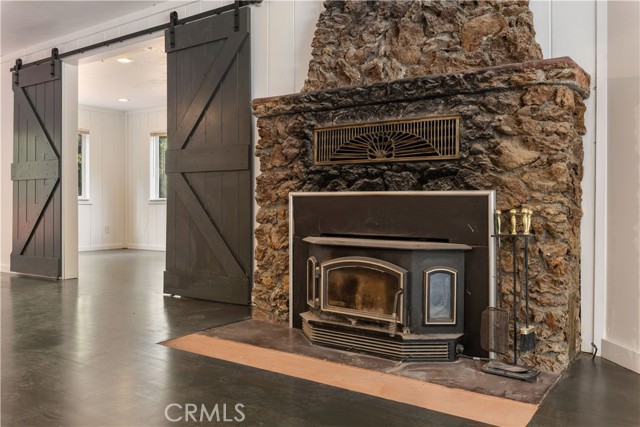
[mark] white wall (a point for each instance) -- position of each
(6, 157)
(119, 213)
(621, 342)
(101, 219)
(69, 171)
(146, 220)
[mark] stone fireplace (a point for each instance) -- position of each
(520, 124)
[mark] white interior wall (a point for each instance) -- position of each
(69, 171)
(146, 219)
(101, 219)
(6, 157)
(621, 342)
(119, 212)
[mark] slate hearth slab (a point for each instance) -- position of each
(463, 374)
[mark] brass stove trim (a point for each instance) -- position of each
(429, 138)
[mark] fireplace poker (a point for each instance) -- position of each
(498, 232)
(514, 231)
(527, 333)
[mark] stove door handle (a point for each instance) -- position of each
(393, 325)
(313, 273)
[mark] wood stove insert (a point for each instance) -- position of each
(399, 299)
(407, 239)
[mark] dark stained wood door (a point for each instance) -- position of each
(209, 199)
(35, 171)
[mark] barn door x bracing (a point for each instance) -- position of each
(209, 200)
(35, 171)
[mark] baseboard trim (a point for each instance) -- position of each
(143, 247)
(101, 247)
(623, 356)
(4, 268)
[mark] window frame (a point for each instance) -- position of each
(84, 185)
(154, 168)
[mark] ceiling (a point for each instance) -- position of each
(102, 81)
(143, 82)
(28, 23)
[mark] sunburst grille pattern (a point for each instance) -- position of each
(432, 138)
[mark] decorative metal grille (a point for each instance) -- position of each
(433, 138)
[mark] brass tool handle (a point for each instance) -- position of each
(514, 221)
(526, 220)
(498, 222)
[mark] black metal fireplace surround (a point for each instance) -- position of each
(402, 275)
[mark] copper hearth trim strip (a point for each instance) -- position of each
(460, 403)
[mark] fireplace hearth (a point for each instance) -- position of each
(399, 299)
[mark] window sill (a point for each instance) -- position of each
(158, 201)
(84, 202)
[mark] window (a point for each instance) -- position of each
(83, 165)
(158, 189)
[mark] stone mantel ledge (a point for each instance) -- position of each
(556, 71)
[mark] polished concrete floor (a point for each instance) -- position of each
(84, 353)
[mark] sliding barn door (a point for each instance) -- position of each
(209, 200)
(36, 169)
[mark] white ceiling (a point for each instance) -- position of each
(143, 81)
(28, 23)
(101, 82)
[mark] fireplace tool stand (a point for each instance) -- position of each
(495, 321)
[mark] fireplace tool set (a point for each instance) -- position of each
(495, 321)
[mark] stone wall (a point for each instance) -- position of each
(521, 128)
(361, 42)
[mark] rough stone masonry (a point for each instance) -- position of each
(521, 127)
(361, 42)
